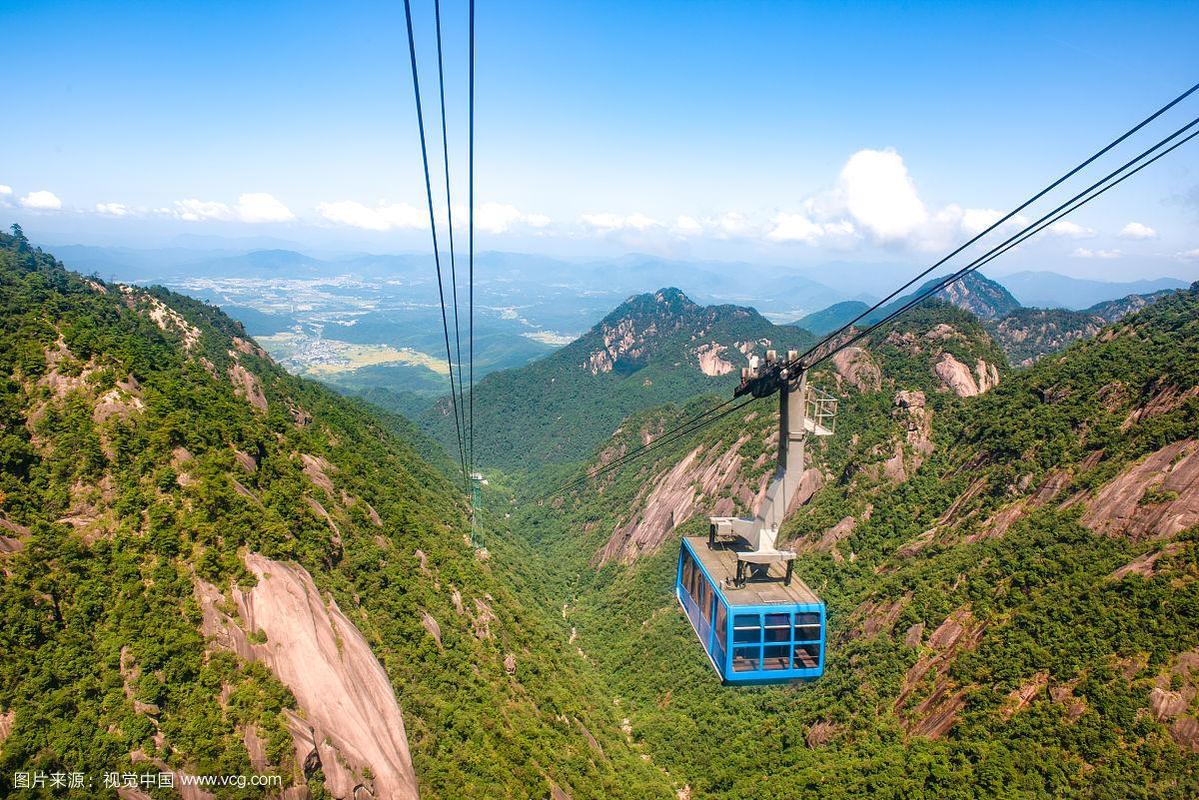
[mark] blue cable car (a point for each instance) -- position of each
(766, 631)
(755, 627)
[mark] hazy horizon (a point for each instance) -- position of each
(134, 132)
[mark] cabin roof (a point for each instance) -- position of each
(721, 564)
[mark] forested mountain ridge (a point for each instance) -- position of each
(1028, 334)
(652, 349)
(1025, 334)
(973, 292)
(829, 319)
(212, 567)
(938, 356)
(981, 296)
(1012, 579)
(1010, 558)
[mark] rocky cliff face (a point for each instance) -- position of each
(981, 296)
(957, 377)
(713, 479)
(667, 325)
(349, 725)
(1157, 497)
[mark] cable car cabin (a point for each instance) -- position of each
(767, 631)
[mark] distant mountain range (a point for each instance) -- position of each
(529, 304)
(1053, 290)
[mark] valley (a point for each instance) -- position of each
(990, 541)
(990, 575)
(599, 401)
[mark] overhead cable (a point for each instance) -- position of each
(1010, 215)
(424, 152)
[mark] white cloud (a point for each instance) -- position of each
(5, 189)
(687, 226)
(496, 217)
(252, 207)
(193, 210)
(1070, 230)
(795, 228)
(43, 200)
(1135, 230)
(976, 220)
(256, 207)
(1084, 252)
(641, 222)
(731, 224)
(112, 209)
(875, 199)
(383, 217)
(501, 217)
(1190, 255)
(605, 222)
(842, 228)
(879, 194)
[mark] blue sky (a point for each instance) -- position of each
(779, 132)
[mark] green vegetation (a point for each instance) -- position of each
(1042, 594)
(124, 479)
(145, 445)
(829, 319)
(1024, 334)
(1027, 334)
(645, 353)
(410, 404)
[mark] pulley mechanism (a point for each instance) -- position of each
(803, 411)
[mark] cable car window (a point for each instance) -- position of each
(778, 627)
(745, 659)
(778, 634)
(746, 628)
(807, 656)
(776, 657)
(689, 576)
(807, 626)
(722, 624)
